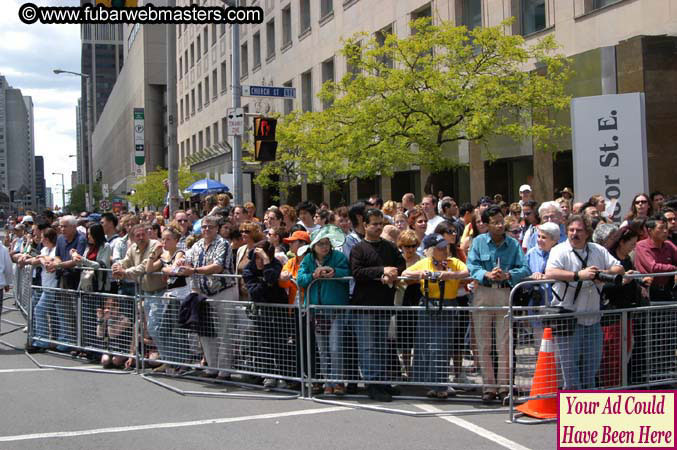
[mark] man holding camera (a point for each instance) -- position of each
(582, 267)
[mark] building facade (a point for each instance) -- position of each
(140, 84)
(616, 46)
(102, 59)
(40, 185)
(16, 146)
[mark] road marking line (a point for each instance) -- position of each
(22, 370)
(153, 426)
(500, 440)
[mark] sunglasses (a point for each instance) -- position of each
(410, 246)
(640, 202)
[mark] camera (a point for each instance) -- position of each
(616, 280)
(434, 276)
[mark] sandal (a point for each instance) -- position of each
(339, 390)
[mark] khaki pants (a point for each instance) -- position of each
(485, 322)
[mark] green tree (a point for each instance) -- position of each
(150, 190)
(409, 100)
(77, 202)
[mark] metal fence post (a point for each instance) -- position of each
(511, 356)
(140, 349)
(624, 348)
(29, 335)
(78, 320)
(300, 347)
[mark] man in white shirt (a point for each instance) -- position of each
(577, 263)
(428, 205)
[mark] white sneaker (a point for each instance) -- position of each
(281, 384)
(269, 383)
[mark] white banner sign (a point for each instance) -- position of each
(609, 149)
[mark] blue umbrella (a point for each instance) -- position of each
(206, 186)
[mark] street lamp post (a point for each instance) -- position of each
(90, 124)
(63, 191)
(236, 141)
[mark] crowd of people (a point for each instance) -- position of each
(375, 254)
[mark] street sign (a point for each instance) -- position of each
(235, 121)
(268, 91)
(104, 190)
(104, 205)
(139, 136)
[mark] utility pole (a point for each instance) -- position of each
(236, 141)
(172, 146)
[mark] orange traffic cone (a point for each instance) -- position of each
(544, 382)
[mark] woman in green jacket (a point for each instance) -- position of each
(323, 261)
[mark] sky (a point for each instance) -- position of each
(28, 54)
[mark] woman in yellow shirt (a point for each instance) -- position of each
(440, 276)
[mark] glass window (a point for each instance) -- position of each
(307, 91)
(472, 13)
(286, 26)
(288, 102)
(304, 15)
(244, 60)
(533, 16)
(270, 39)
(327, 75)
(224, 77)
(256, 40)
(326, 7)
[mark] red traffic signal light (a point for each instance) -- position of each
(265, 145)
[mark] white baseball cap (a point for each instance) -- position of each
(525, 187)
(27, 219)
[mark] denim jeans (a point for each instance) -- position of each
(47, 305)
(159, 322)
(329, 326)
(580, 355)
(431, 361)
(371, 330)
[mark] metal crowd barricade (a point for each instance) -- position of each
(22, 288)
(632, 348)
(240, 338)
(424, 350)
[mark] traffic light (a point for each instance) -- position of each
(265, 144)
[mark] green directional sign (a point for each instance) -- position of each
(139, 134)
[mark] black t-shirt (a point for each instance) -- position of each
(367, 260)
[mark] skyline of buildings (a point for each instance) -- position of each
(17, 147)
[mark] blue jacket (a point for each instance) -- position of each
(325, 292)
(484, 255)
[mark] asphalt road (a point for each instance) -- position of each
(60, 409)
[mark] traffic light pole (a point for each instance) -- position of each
(236, 141)
(172, 146)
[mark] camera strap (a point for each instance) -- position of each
(579, 283)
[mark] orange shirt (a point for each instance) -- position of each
(292, 266)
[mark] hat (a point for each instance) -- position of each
(335, 235)
(19, 226)
(524, 188)
(484, 200)
(27, 219)
(567, 190)
(434, 240)
(298, 236)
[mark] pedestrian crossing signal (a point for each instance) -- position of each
(265, 145)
